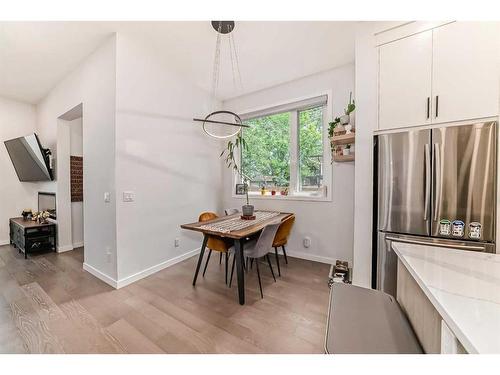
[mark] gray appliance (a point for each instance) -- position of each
(435, 187)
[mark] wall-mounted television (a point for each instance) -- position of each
(31, 161)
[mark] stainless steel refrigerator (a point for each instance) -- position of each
(434, 186)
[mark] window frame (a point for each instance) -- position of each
(294, 148)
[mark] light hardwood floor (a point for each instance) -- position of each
(49, 304)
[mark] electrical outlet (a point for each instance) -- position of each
(108, 255)
(128, 196)
(307, 242)
(177, 242)
(107, 197)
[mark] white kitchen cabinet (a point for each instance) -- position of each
(405, 73)
(449, 73)
(465, 71)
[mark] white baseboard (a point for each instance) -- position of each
(4, 242)
(149, 271)
(306, 256)
(76, 245)
(62, 249)
(101, 276)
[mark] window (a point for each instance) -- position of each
(286, 150)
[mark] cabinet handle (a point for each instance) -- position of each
(437, 106)
(428, 107)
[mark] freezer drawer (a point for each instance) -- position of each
(404, 182)
(367, 321)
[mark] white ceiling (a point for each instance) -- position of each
(35, 56)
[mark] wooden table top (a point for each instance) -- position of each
(238, 234)
(29, 223)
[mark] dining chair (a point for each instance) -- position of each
(281, 239)
(257, 249)
(215, 243)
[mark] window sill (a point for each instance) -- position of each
(306, 198)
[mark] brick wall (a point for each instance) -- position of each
(76, 170)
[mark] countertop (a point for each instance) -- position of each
(463, 286)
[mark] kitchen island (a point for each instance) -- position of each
(463, 288)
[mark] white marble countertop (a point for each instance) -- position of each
(464, 287)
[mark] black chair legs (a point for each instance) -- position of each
(220, 258)
(284, 253)
(277, 261)
(206, 264)
(258, 276)
(225, 265)
(232, 270)
(270, 266)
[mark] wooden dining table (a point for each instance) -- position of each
(239, 236)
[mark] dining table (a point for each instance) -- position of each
(240, 230)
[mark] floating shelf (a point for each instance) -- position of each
(343, 158)
(343, 139)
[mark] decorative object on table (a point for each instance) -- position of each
(248, 217)
(41, 217)
(76, 177)
(224, 29)
(26, 214)
(240, 189)
(248, 208)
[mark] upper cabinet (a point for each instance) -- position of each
(405, 81)
(465, 71)
(446, 74)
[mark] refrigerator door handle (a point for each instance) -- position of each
(427, 181)
(437, 180)
(437, 244)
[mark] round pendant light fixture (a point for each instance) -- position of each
(223, 28)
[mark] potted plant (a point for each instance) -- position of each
(345, 119)
(247, 209)
(347, 150)
(230, 151)
(284, 191)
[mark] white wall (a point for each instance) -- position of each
(328, 224)
(366, 121)
(163, 157)
(76, 149)
(16, 119)
(93, 83)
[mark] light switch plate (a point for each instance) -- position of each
(107, 197)
(128, 196)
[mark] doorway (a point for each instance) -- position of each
(69, 165)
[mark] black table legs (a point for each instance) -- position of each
(200, 259)
(238, 246)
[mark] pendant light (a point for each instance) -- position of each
(224, 30)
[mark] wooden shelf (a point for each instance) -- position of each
(343, 158)
(343, 139)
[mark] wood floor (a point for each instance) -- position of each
(49, 304)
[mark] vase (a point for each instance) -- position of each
(344, 120)
(346, 151)
(247, 210)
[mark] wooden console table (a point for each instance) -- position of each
(29, 236)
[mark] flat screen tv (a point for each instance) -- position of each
(31, 161)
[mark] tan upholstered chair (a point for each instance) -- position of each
(215, 243)
(281, 239)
